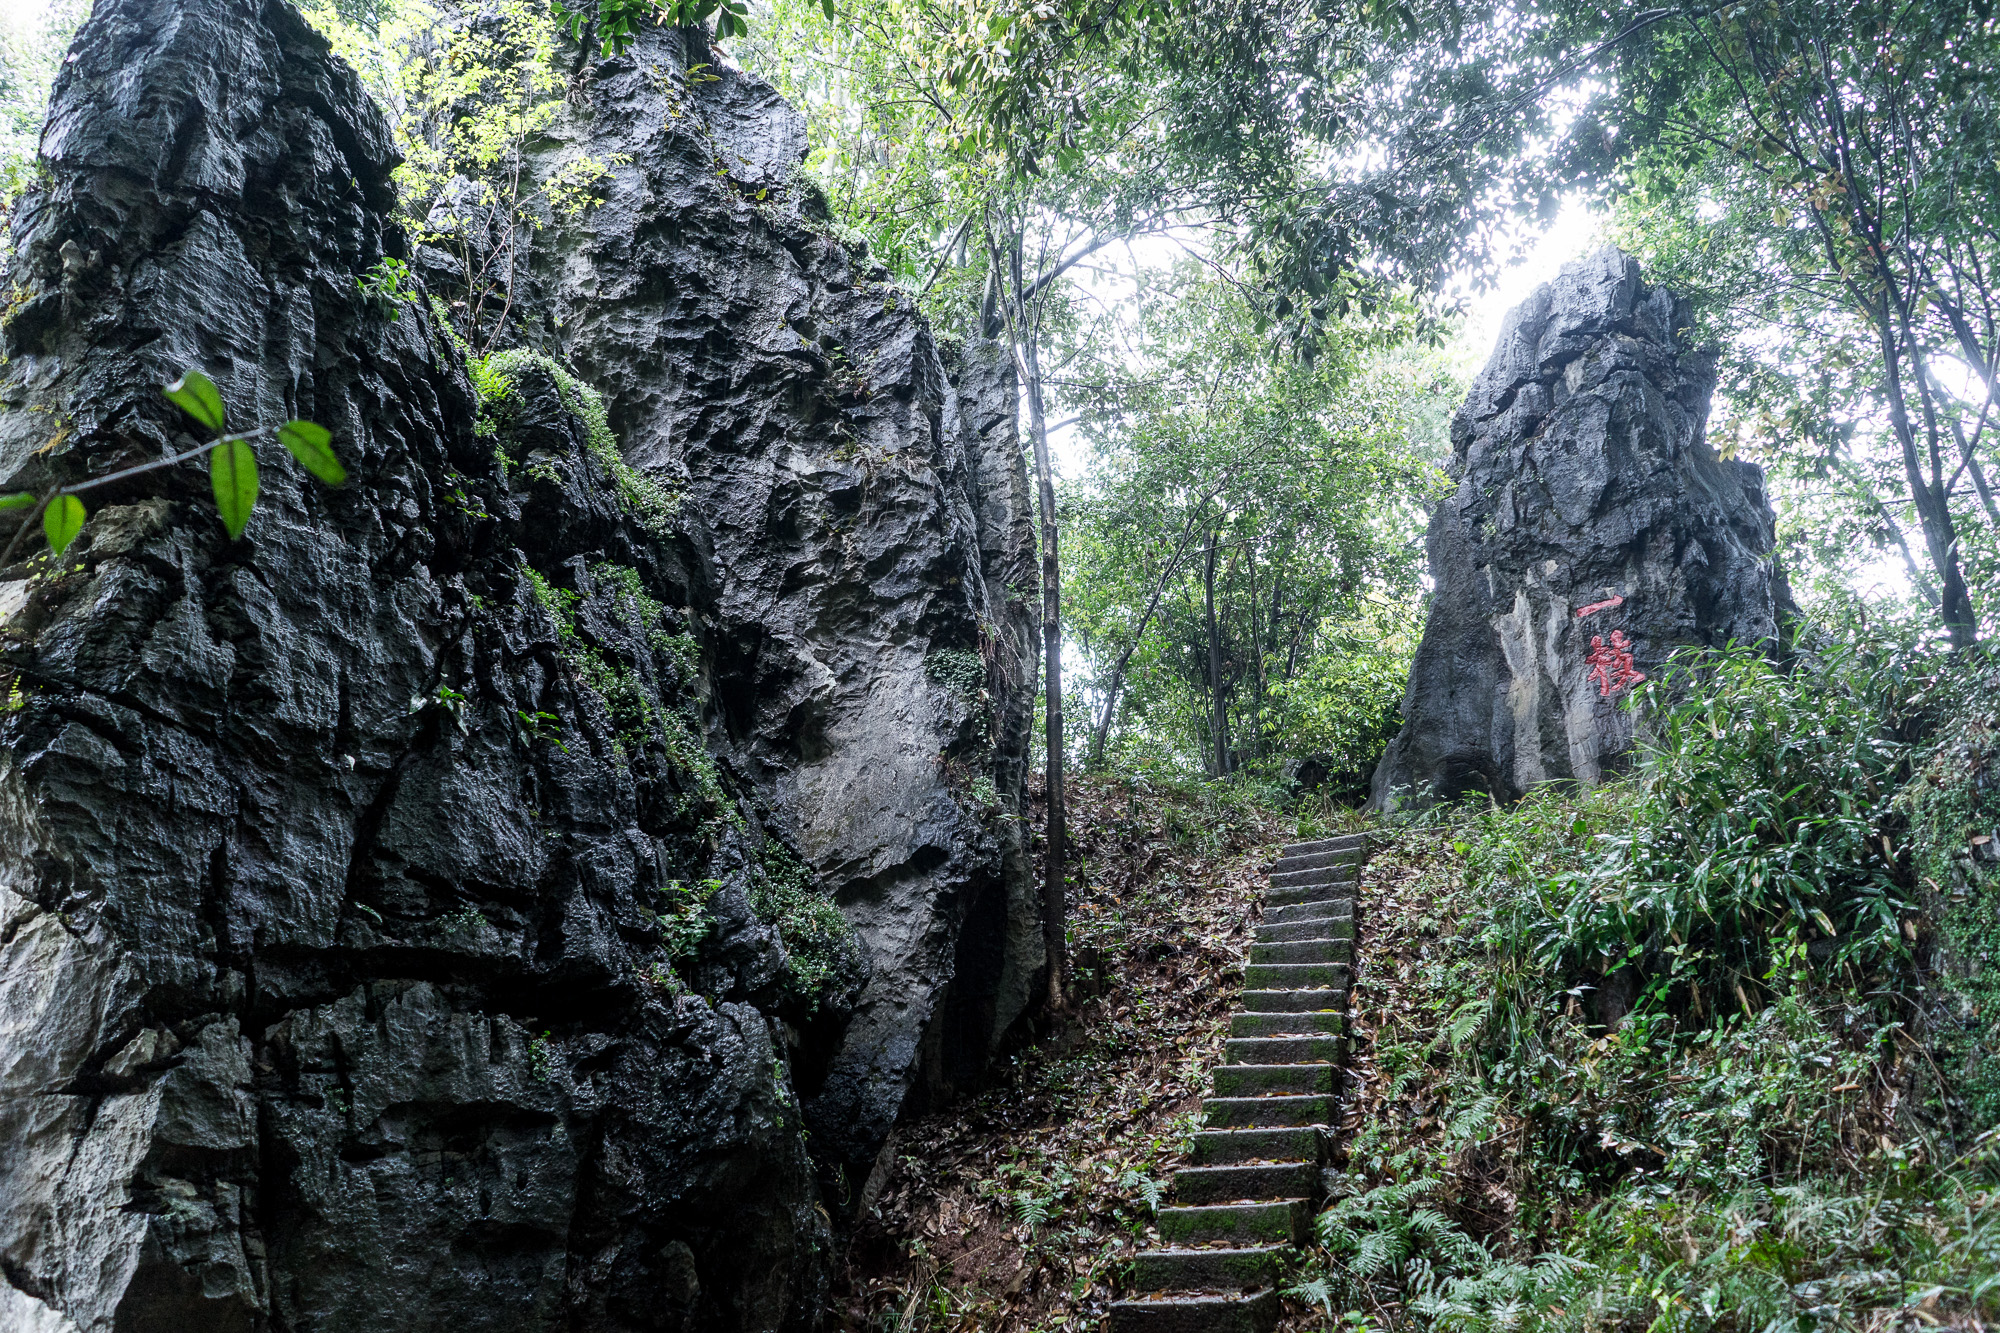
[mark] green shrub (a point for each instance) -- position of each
(1764, 815)
(823, 957)
(651, 504)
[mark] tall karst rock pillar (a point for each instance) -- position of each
(866, 564)
(1593, 532)
(412, 912)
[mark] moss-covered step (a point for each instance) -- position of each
(1317, 1023)
(1330, 948)
(1266, 1112)
(1231, 1312)
(1320, 911)
(1217, 1147)
(1332, 880)
(1272, 1080)
(1309, 1049)
(1275, 1222)
(1304, 928)
(1298, 999)
(1241, 1181)
(1342, 857)
(1294, 976)
(1206, 1270)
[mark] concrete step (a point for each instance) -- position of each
(1316, 894)
(1264, 1180)
(1272, 1080)
(1306, 1050)
(1277, 914)
(1335, 947)
(1232, 1313)
(1340, 856)
(1266, 1112)
(1219, 1147)
(1206, 1270)
(1338, 843)
(1278, 1222)
(1294, 976)
(1306, 928)
(1298, 1000)
(1287, 1025)
(1335, 878)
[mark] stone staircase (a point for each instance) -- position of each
(1255, 1184)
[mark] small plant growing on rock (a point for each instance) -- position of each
(382, 286)
(232, 469)
(539, 1060)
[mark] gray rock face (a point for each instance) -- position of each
(341, 866)
(866, 562)
(1591, 515)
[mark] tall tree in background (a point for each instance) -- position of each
(1312, 151)
(1824, 177)
(1245, 552)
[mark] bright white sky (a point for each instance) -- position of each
(19, 15)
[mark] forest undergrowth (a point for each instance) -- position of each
(1705, 1048)
(1013, 1212)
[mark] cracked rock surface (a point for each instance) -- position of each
(340, 865)
(859, 514)
(1588, 505)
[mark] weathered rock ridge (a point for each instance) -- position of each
(1591, 516)
(861, 524)
(345, 869)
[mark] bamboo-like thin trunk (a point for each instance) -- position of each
(1219, 718)
(1027, 365)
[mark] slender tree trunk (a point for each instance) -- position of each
(1027, 365)
(1101, 733)
(1933, 508)
(1884, 300)
(1866, 490)
(1968, 457)
(1257, 644)
(1219, 721)
(1055, 907)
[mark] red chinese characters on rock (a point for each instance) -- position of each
(1611, 664)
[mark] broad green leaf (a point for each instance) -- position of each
(19, 500)
(233, 468)
(311, 444)
(195, 394)
(62, 520)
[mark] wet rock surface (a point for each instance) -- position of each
(860, 516)
(1593, 532)
(406, 911)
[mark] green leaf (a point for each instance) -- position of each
(19, 500)
(195, 394)
(62, 520)
(233, 469)
(311, 444)
(827, 6)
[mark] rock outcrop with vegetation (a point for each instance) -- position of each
(860, 514)
(1593, 532)
(410, 919)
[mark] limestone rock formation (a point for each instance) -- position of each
(1593, 532)
(346, 870)
(861, 520)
